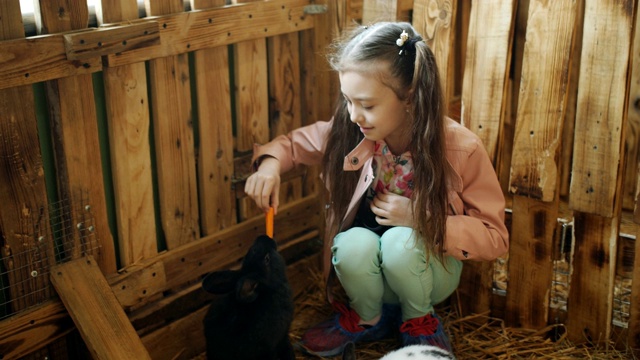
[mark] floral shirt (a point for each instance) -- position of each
(394, 173)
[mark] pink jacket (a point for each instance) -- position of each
(475, 225)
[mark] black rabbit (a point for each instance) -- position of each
(252, 319)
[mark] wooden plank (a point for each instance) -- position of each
(534, 170)
(590, 302)
(435, 20)
(174, 142)
(379, 10)
(127, 108)
(252, 101)
(597, 167)
(30, 330)
(486, 72)
(102, 323)
(32, 60)
(215, 121)
(215, 27)
(77, 147)
(483, 98)
(601, 107)
(24, 211)
(570, 114)
(111, 40)
(542, 102)
(69, 14)
(530, 262)
(113, 11)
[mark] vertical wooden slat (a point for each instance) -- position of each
(252, 99)
(483, 99)
(435, 20)
(284, 92)
(570, 115)
(598, 158)
(60, 15)
(536, 146)
(215, 152)
(486, 72)
(174, 143)
(127, 107)
(72, 112)
(379, 10)
(22, 187)
(601, 105)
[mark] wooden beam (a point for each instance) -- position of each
(102, 322)
(214, 27)
(110, 40)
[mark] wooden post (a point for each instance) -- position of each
(127, 106)
(598, 160)
(483, 101)
(173, 139)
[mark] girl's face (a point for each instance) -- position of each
(376, 109)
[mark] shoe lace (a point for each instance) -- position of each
(426, 325)
(348, 319)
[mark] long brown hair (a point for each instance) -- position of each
(413, 76)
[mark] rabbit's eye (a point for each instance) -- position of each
(267, 259)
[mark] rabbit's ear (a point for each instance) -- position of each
(220, 282)
(246, 290)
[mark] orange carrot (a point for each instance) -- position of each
(269, 220)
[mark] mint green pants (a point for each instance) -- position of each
(391, 269)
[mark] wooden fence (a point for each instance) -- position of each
(128, 144)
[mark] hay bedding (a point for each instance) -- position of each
(473, 337)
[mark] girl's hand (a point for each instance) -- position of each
(392, 209)
(263, 186)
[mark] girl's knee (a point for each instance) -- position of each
(355, 248)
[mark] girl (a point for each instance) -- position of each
(412, 192)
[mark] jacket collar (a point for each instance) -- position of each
(365, 150)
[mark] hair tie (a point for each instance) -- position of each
(402, 41)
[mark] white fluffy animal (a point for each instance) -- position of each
(411, 352)
(418, 352)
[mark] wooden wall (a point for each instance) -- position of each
(130, 143)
